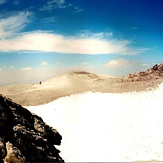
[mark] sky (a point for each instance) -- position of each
(41, 39)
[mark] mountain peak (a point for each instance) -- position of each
(158, 68)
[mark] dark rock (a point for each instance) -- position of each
(24, 137)
(155, 67)
(2, 148)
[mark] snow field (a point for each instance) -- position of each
(108, 127)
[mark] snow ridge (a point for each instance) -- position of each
(108, 127)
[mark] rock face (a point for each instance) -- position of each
(24, 137)
(155, 72)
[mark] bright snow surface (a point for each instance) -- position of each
(107, 126)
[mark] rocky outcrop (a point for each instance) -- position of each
(155, 73)
(24, 137)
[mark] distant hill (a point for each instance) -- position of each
(59, 86)
(81, 81)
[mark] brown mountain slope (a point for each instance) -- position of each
(78, 82)
(154, 73)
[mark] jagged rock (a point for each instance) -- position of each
(155, 67)
(13, 154)
(155, 73)
(24, 137)
(2, 148)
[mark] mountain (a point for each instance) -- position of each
(80, 81)
(25, 137)
(154, 73)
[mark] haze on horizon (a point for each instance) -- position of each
(40, 39)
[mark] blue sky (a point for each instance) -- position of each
(39, 39)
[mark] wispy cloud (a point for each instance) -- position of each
(44, 63)
(54, 4)
(60, 4)
(49, 42)
(3, 2)
(98, 35)
(12, 25)
(78, 9)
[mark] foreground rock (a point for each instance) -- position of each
(24, 137)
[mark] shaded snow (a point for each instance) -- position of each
(108, 126)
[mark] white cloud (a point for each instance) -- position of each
(117, 63)
(44, 63)
(11, 39)
(26, 68)
(3, 2)
(12, 25)
(48, 42)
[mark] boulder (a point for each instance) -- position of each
(25, 137)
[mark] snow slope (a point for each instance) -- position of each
(108, 126)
